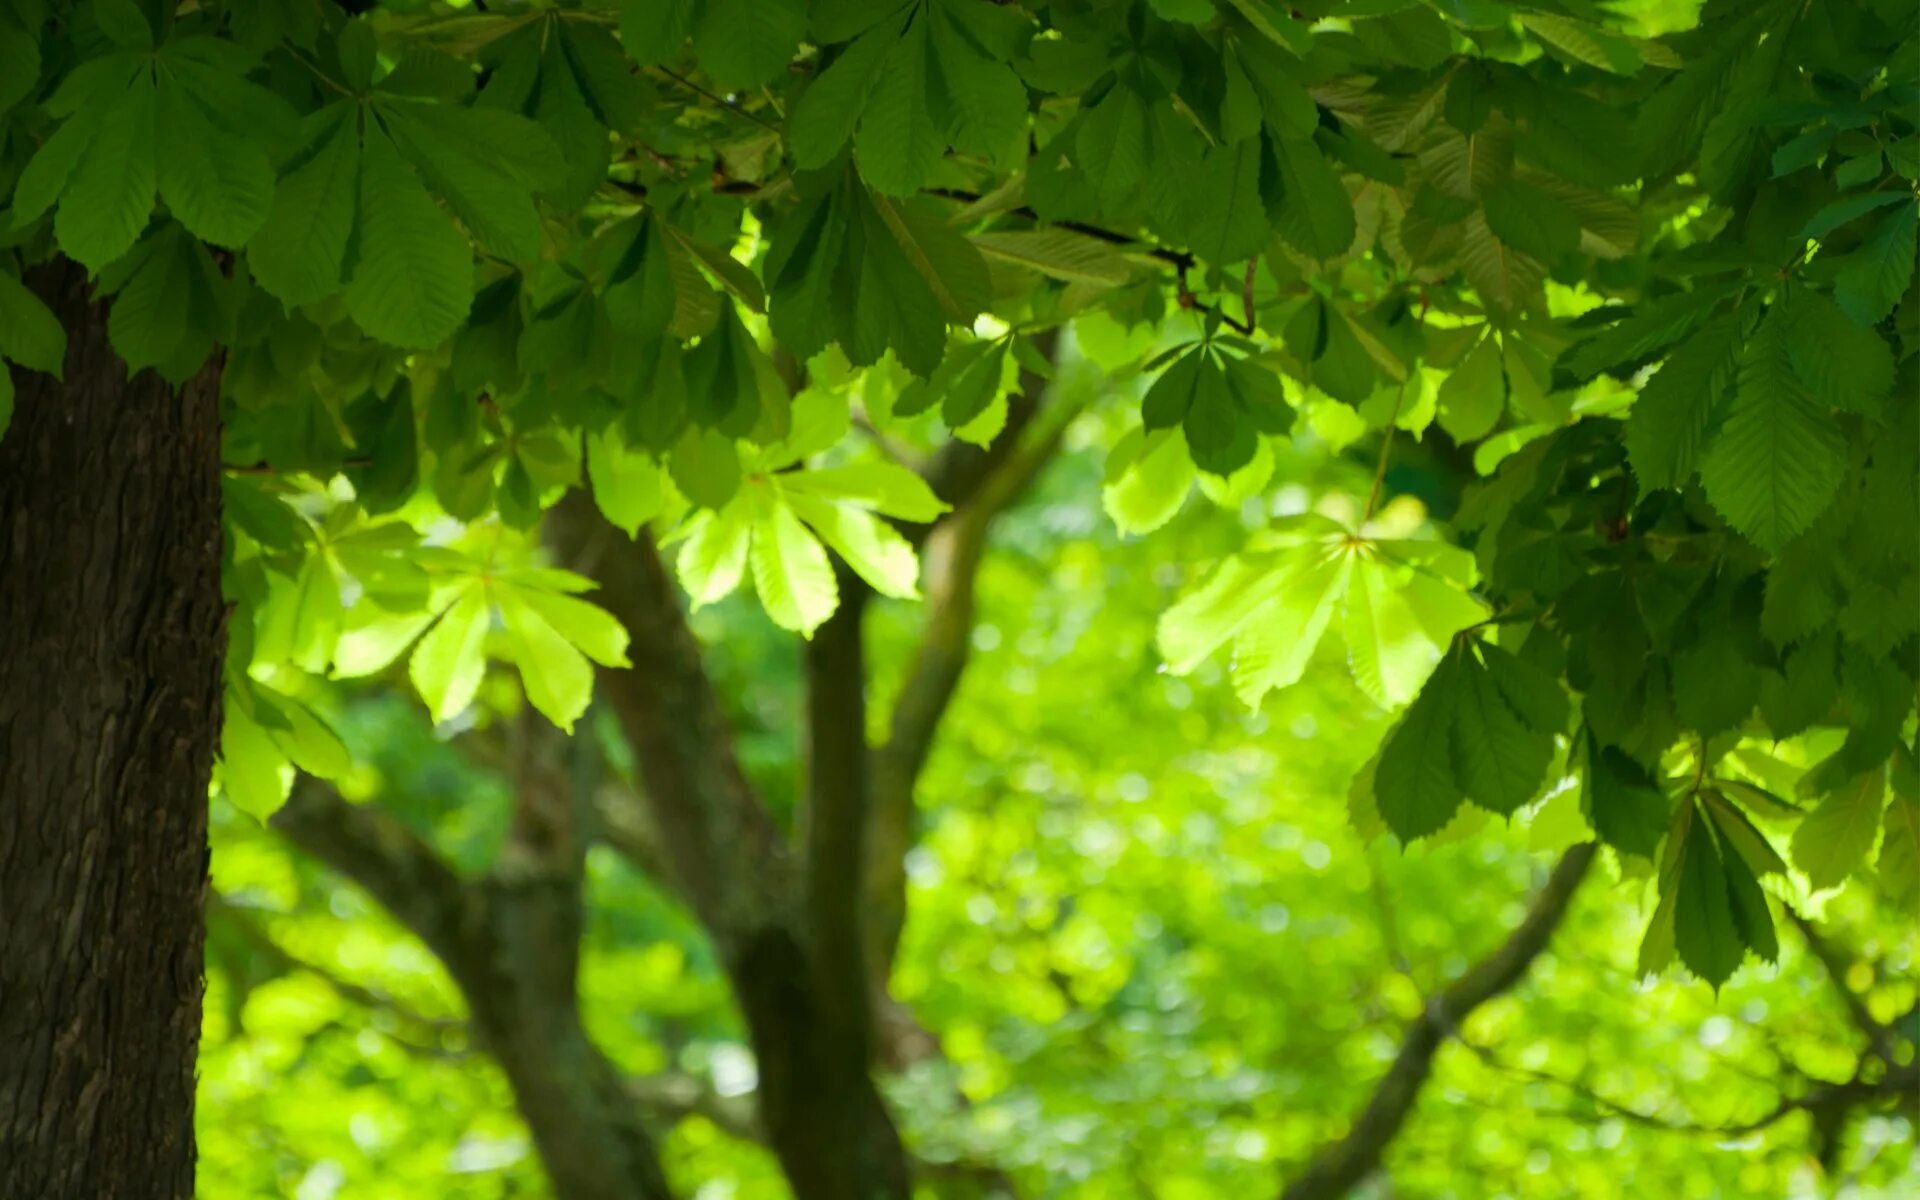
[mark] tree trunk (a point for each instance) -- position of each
(111, 637)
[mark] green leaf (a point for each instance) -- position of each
(714, 557)
(745, 43)
(150, 317)
(1057, 254)
(1498, 762)
(217, 185)
(19, 64)
(1835, 838)
(825, 115)
(1110, 147)
(299, 253)
(897, 145)
(705, 466)
(652, 31)
(1229, 220)
(885, 487)
(1713, 684)
(791, 573)
(1219, 437)
(1506, 280)
(1898, 866)
(1531, 221)
(1398, 619)
(1669, 420)
(1645, 330)
(1315, 217)
(1842, 364)
(29, 332)
(450, 660)
(1803, 694)
(944, 259)
(628, 485)
(1623, 801)
(1776, 463)
(1706, 932)
(492, 203)
(987, 103)
(1148, 477)
(254, 772)
(875, 551)
(1873, 278)
(1414, 780)
(109, 196)
(1474, 393)
(557, 676)
(412, 278)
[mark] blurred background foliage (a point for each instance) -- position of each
(1156, 956)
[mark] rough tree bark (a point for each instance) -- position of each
(111, 638)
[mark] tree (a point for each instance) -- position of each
(438, 258)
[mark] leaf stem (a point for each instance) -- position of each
(695, 88)
(1386, 445)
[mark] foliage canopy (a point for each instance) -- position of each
(1655, 285)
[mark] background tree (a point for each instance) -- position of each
(1146, 946)
(438, 259)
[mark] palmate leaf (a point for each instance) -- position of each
(1400, 604)
(264, 733)
(872, 275)
(1776, 463)
(1705, 929)
(777, 522)
(181, 120)
(548, 632)
(1481, 729)
(412, 279)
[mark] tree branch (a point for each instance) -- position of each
(980, 489)
(1339, 1167)
(823, 1115)
(726, 854)
(1835, 960)
(1902, 1082)
(512, 944)
(242, 921)
(368, 845)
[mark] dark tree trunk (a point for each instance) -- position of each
(111, 636)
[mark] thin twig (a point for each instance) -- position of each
(1386, 445)
(695, 88)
